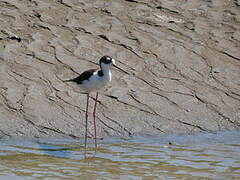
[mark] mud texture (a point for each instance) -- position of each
(180, 62)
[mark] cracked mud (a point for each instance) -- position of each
(179, 60)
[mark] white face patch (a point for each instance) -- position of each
(113, 61)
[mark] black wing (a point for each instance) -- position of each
(84, 76)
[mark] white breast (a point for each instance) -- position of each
(96, 82)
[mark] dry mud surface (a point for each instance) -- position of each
(180, 62)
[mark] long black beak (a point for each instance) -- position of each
(120, 69)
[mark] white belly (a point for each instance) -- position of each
(95, 82)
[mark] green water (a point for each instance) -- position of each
(202, 156)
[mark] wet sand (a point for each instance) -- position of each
(180, 63)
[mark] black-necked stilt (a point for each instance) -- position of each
(93, 80)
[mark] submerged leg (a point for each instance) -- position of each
(86, 123)
(94, 120)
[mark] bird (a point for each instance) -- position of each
(93, 80)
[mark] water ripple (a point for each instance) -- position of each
(210, 157)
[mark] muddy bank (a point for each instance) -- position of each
(180, 61)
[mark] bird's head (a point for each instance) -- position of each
(106, 61)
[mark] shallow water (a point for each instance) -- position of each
(202, 156)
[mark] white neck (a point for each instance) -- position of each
(106, 68)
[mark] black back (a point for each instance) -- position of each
(84, 76)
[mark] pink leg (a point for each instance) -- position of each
(94, 120)
(86, 123)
